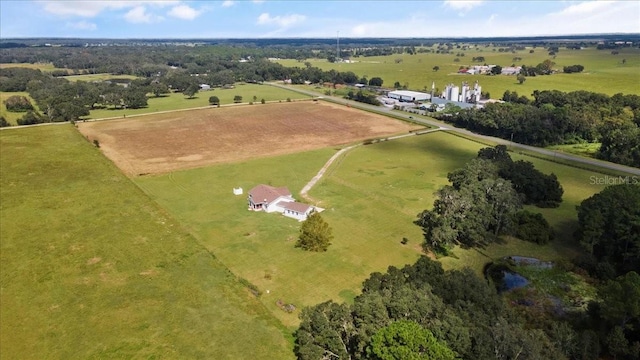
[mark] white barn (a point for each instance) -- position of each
(408, 96)
(277, 199)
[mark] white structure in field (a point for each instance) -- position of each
(205, 87)
(277, 199)
(408, 96)
(237, 191)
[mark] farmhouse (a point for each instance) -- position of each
(277, 199)
(408, 96)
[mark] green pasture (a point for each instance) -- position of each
(371, 197)
(603, 72)
(94, 269)
(582, 149)
(36, 66)
(98, 77)
(12, 117)
(177, 101)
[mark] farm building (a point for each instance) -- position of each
(408, 96)
(277, 199)
(205, 87)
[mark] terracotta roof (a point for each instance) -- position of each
(267, 193)
(296, 206)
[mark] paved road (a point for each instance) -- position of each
(448, 127)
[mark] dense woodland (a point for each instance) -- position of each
(555, 117)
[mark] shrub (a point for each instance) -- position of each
(533, 227)
(18, 103)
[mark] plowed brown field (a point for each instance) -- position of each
(187, 139)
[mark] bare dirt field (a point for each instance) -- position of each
(187, 139)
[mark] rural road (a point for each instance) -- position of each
(447, 127)
(335, 156)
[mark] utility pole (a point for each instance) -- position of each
(338, 45)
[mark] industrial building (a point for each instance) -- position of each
(463, 94)
(408, 96)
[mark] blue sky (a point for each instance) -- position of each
(260, 19)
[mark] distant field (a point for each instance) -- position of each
(98, 77)
(37, 66)
(603, 72)
(177, 101)
(93, 269)
(371, 196)
(12, 117)
(186, 139)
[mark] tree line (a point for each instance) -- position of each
(554, 117)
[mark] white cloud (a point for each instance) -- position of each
(463, 5)
(587, 7)
(93, 8)
(82, 25)
(282, 21)
(139, 15)
(258, 1)
(227, 3)
(184, 12)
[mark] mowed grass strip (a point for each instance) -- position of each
(93, 269)
(177, 101)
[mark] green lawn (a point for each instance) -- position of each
(584, 149)
(371, 196)
(37, 66)
(12, 117)
(98, 77)
(94, 269)
(177, 101)
(603, 72)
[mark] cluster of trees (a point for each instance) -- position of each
(421, 312)
(362, 97)
(572, 69)
(18, 103)
(543, 68)
(609, 228)
(554, 117)
(484, 201)
(536, 187)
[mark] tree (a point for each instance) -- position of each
(375, 81)
(159, 89)
(191, 91)
(18, 103)
(436, 68)
(237, 99)
(496, 70)
(4, 122)
(213, 100)
(521, 78)
(407, 340)
(609, 226)
(621, 299)
(315, 234)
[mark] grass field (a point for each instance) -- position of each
(371, 196)
(585, 149)
(12, 117)
(177, 101)
(98, 77)
(186, 139)
(93, 269)
(36, 66)
(603, 72)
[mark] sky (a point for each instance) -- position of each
(311, 18)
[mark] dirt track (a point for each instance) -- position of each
(187, 139)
